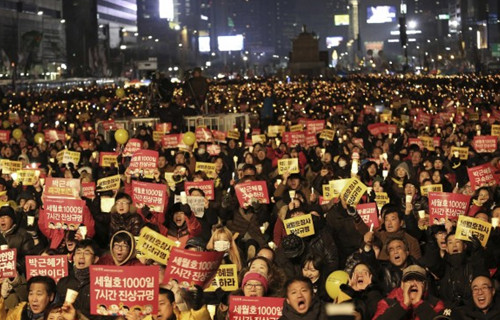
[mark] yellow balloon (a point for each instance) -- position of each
(121, 136)
(189, 138)
(39, 138)
(5, 124)
(120, 93)
(333, 282)
(17, 133)
(102, 99)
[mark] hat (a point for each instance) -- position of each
(86, 169)
(250, 275)
(179, 207)
(292, 245)
(295, 176)
(195, 242)
(7, 210)
(414, 272)
(404, 166)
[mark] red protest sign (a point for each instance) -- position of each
(423, 118)
(4, 136)
(247, 191)
(52, 136)
(255, 308)
(88, 190)
(206, 186)
(481, 175)
(311, 140)
(203, 135)
(112, 288)
(485, 144)
(376, 128)
(295, 138)
(219, 136)
(146, 160)
(213, 149)
(368, 212)
(164, 127)
(8, 263)
(108, 125)
(132, 146)
(171, 141)
(444, 205)
(153, 195)
(61, 187)
(191, 267)
(66, 214)
(315, 126)
(55, 267)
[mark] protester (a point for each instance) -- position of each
(300, 302)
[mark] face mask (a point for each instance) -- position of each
(201, 151)
(342, 163)
(221, 245)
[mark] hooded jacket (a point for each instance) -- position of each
(110, 258)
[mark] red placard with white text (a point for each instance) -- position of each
(52, 136)
(153, 195)
(206, 186)
(368, 212)
(55, 267)
(4, 136)
(219, 136)
(192, 267)
(311, 140)
(247, 191)
(485, 144)
(132, 146)
(145, 161)
(61, 187)
(295, 138)
(88, 190)
(315, 126)
(171, 141)
(66, 214)
(113, 288)
(444, 205)
(203, 135)
(213, 149)
(481, 175)
(164, 127)
(8, 263)
(255, 308)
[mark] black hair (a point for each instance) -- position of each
(303, 279)
(317, 261)
(82, 244)
(197, 189)
(50, 284)
(122, 237)
(49, 309)
(390, 208)
(168, 293)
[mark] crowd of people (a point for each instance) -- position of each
(408, 268)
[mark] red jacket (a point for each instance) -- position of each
(393, 308)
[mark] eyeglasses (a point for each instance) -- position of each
(253, 286)
(121, 246)
(122, 203)
(85, 253)
(476, 290)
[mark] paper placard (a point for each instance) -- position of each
(424, 190)
(327, 134)
(368, 212)
(88, 190)
(233, 134)
(247, 191)
(226, 278)
(55, 267)
(8, 260)
(463, 153)
(171, 141)
(288, 165)
(65, 156)
(65, 214)
(297, 127)
(485, 144)
(481, 175)
(445, 205)
(301, 225)
(315, 126)
(132, 146)
(9, 166)
(144, 162)
(381, 199)
(62, 187)
(106, 159)
(274, 131)
(495, 130)
(255, 308)
(153, 195)
(259, 138)
(206, 186)
(207, 167)
(293, 139)
(108, 183)
(203, 135)
(28, 177)
(153, 245)
(468, 227)
(4, 136)
(353, 191)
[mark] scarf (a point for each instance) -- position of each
(82, 275)
(29, 315)
(315, 311)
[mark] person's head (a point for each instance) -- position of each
(7, 218)
(482, 195)
(122, 246)
(53, 312)
(166, 304)
(260, 265)
(254, 284)
(179, 212)
(439, 232)
(454, 245)
(415, 276)
(361, 277)
(299, 294)
(398, 252)
(416, 158)
(311, 267)
(85, 254)
(410, 188)
(221, 239)
(267, 253)
(402, 171)
(483, 216)
(41, 293)
(122, 203)
(483, 292)
(393, 220)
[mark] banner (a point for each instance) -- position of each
(88, 190)
(8, 263)
(206, 186)
(65, 156)
(192, 267)
(28, 177)
(9, 166)
(463, 153)
(368, 212)
(108, 183)
(247, 191)
(288, 165)
(481, 175)
(226, 278)
(153, 195)
(145, 162)
(468, 227)
(66, 214)
(153, 245)
(116, 290)
(171, 141)
(293, 139)
(315, 126)
(353, 191)
(301, 225)
(106, 159)
(443, 205)
(213, 150)
(255, 308)
(62, 187)
(424, 190)
(4, 136)
(207, 167)
(55, 267)
(485, 144)
(132, 146)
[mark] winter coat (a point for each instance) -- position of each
(413, 245)
(471, 312)
(20, 239)
(131, 222)
(393, 308)
(17, 312)
(365, 301)
(316, 312)
(82, 286)
(191, 228)
(110, 259)
(18, 293)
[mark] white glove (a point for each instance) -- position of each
(6, 288)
